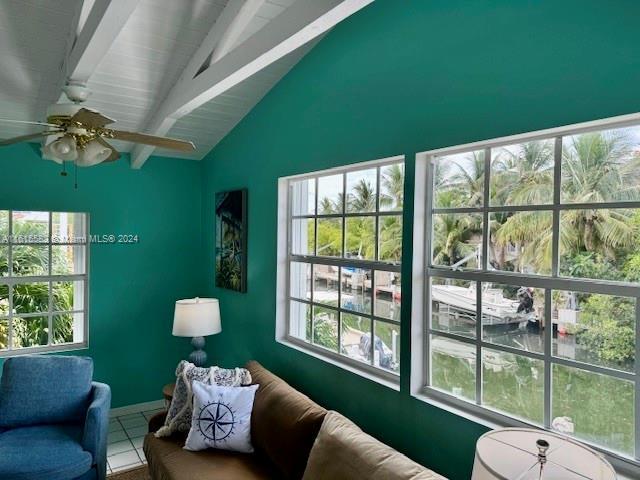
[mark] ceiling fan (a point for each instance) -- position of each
(78, 134)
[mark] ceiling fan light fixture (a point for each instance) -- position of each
(62, 149)
(92, 154)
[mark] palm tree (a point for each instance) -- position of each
(363, 198)
(596, 167)
(523, 176)
(469, 180)
(452, 232)
(392, 186)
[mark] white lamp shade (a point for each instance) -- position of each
(197, 317)
(512, 453)
(93, 154)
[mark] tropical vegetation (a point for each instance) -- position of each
(30, 297)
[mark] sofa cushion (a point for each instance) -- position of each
(284, 423)
(54, 453)
(167, 460)
(344, 452)
(37, 389)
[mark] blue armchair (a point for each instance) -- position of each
(54, 420)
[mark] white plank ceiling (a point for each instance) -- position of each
(138, 70)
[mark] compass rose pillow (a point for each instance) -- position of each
(221, 418)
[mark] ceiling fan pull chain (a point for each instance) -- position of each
(76, 176)
(64, 169)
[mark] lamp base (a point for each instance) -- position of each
(198, 357)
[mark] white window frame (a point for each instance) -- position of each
(284, 257)
(422, 272)
(81, 328)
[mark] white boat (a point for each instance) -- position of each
(496, 309)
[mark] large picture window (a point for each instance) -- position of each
(43, 281)
(533, 279)
(343, 258)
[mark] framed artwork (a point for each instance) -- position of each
(231, 240)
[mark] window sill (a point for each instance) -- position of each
(369, 372)
(626, 468)
(67, 347)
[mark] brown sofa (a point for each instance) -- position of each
(287, 428)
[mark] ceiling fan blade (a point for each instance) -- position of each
(25, 138)
(27, 122)
(114, 153)
(89, 118)
(163, 142)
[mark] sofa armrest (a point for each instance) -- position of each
(157, 421)
(96, 427)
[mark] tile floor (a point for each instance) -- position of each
(126, 433)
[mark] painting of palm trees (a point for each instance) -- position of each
(231, 240)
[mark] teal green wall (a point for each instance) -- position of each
(399, 78)
(132, 287)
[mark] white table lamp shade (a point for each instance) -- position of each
(511, 453)
(196, 317)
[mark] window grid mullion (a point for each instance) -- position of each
(478, 342)
(10, 289)
(50, 284)
(637, 382)
(555, 229)
(548, 338)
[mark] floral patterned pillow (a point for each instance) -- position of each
(181, 409)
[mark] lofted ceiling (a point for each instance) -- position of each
(189, 69)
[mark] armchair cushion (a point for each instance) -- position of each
(53, 452)
(38, 390)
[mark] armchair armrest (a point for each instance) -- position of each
(96, 427)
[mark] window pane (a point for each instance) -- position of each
(356, 290)
(513, 384)
(330, 194)
(453, 367)
(300, 320)
(67, 296)
(68, 259)
(355, 337)
(594, 328)
(388, 294)
(390, 238)
(30, 332)
(457, 240)
(63, 328)
(326, 284)
(300, 282)
(302, 236)
(362, 191)
(4, 333)
(4, 226)
(453, 306)
(325, 328)
(68, 227)
(386, 346)
(513, 315)
(459, 180)
(30, 260)
(601, 166)
(361, 238)
(392, 187)
(600, 244)
(4, 300)
(30, 227)
(521, 242)
(303, 197)
(30, 298)
(593, 407)
(522, 174)
(4, 261)
(329, 237)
